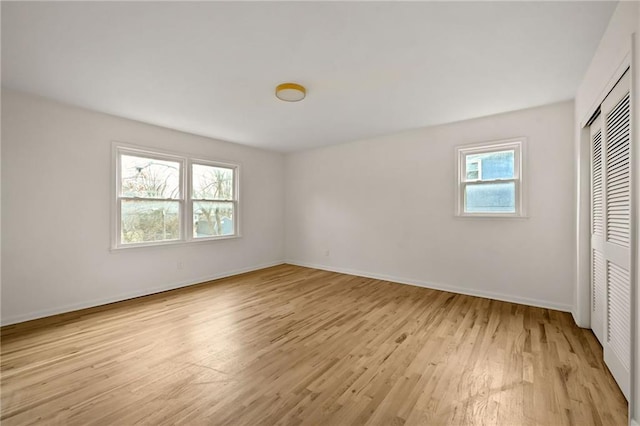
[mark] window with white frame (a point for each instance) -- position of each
(212, 200)
(489, 179)
(165, 198)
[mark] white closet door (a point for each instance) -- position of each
(615, 265)
(598, 268)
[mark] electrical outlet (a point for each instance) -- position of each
(327, 253)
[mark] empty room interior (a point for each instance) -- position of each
(322, 213)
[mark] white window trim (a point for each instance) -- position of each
(186, 201)
(519, 147)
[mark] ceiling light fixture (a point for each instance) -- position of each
(290, 92)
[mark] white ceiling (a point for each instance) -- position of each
(370, 68)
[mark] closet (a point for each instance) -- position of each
(610, 136)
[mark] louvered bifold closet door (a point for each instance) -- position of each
(618, 177)
(616, 142)
(598, 265)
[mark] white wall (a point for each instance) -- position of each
(56, 204)
(384, 207)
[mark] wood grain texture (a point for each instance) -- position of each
(291, 345)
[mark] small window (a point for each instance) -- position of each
(165, 198)
(490, 179)
(213, 198)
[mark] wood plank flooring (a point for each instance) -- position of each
(290, 345)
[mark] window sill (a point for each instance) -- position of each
(176, 243)
(490, 216)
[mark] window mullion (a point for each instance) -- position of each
(187, 212)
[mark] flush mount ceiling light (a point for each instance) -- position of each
(290, 92)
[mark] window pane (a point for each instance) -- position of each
(149, 178)
(494, 165)
(212, 218)
(147, 221)
(212, 183)
(490, 198)
(473, 170)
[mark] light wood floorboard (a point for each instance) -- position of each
(290, 345)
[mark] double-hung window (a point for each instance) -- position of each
(150, 198)
(213, 201)
(165, 198)
(489, 179)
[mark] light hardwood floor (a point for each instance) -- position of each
(291, 345)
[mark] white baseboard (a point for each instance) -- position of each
(119, 298)
(438, 286)
(574, 314)
(580, 322)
